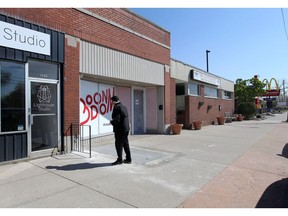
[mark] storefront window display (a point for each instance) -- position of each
(12, 90)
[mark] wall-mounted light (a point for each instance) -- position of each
(209, 107)
(200, 104)
(220, 107)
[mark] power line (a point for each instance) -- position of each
(284, 24)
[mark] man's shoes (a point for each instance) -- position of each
(117, 162)
(127, 161)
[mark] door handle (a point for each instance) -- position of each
(30, 119)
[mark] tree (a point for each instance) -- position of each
(245, 93)
(247, 90)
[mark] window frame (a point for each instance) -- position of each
(210, 92)
(223, 95)
(197, 86)
(22, 107)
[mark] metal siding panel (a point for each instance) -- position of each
(82, 59)
(98, 59)
(17, 146)
(89, 57)
(227, 85)
(35, 28)
(24, 146)
(93, 58)
(9, 147)
(86, 57)
(111, 63)
(54, 46)
(103, 60)
(61, 42)
(10, 53)
(2, 148)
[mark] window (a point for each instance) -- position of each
(180, 89)
(193, 89)
(12, 91)
(226, 95)
(210, 92)
(44, 70)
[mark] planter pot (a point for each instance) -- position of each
(240, 117)
(220, 120)
(176, 128)
(197, 125)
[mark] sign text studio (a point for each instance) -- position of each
(21, 38)
(33, 40)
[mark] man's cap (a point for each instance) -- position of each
(115, 98)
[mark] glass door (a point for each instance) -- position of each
(43, 116)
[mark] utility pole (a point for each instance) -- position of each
(207, 62)
(284, 93)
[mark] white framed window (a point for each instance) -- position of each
(210, 92)
(193, 89)
(226, 95)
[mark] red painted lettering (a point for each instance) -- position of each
(98, 103)
(89, 99)
(86, 109)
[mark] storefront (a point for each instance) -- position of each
(60, 67)
(138, 83)
(31, 58)
(200, 96)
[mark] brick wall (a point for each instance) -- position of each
(78, 24)
(75, 23)
(208, 116)
(71, 85)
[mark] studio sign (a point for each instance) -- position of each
(17, 37)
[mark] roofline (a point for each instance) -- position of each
(145, 19)
(200, 69)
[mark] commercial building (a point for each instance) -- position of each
(60, 66)
(200, 96)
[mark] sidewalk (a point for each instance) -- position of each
(239, 164)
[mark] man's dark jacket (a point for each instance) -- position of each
(120, 120)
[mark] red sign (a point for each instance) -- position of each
(270, 93)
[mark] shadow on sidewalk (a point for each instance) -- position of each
(284, 151)
(79, 166)
(275, 196)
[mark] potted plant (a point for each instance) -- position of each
(239, 117)
(176, 128)
(197, 125)
(220, 120)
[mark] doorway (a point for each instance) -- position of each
(138, 110)
(43, 106)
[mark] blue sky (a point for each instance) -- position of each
(243, 41)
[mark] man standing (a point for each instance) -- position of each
(120, 122)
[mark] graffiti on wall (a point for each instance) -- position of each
(96, 106)
(97, 103)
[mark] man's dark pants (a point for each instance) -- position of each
(121, 141)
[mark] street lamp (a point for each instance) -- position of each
(207, 51)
